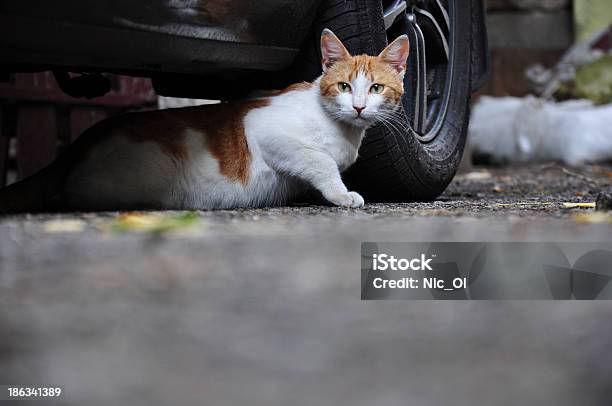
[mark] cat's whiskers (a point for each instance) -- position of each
(393, 120)
(389, 125)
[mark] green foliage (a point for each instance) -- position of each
(156, 223)
(592, 81)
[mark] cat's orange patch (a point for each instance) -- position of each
(227, 141)
(222, 127)
(296, 86)
(373, 67)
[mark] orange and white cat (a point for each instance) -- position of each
(251, 153)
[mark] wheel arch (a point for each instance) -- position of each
(481, 57)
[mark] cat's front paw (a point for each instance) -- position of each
(349, 199)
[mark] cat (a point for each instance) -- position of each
(250, 153)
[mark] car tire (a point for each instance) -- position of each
(392, 165)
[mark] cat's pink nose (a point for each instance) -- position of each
(358, 110)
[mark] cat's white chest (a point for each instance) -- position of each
(315, 128)
(342, 145)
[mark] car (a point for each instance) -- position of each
(222, 49)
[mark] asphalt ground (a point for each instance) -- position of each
(262, 307)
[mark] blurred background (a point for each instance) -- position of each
(551, 84)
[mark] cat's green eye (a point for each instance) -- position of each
(377, 88)
(344, 87)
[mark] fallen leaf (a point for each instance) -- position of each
(589, 205)
(64, 226)
(476, 175)
(524, 204)
(154, 223)
(597, 217)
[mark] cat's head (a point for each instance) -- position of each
(361, 90)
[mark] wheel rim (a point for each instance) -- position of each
(428, 24)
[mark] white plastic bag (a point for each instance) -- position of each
(517, 130)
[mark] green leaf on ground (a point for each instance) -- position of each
(156, 223)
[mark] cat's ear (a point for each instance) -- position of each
(396, 54)
(332, 49)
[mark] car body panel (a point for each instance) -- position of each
(190, 48)
(177, 36)
(481, 56)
